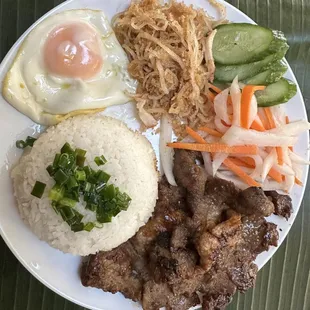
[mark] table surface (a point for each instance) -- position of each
(284, 283)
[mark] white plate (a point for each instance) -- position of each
(58, 271)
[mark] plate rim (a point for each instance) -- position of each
(13, 50)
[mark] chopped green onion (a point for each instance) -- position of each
(56, 160)
(102, 216)
(73, 194)
(67, 202)
(80, 175)
(78, 215)
(66, 149)
(89, 226)
(88, 171)
(66, 213)
(71, 182)
(100, 160)
(108, 192)
(72, 221)
(56, 193)
(60, 177)
(50, 169)
(92, 179)
(88, 187)
(55, 207)
(80, 160)
(100, 187)
(80, 152)
(38, 189)
(30, 141)
(110, 207)
(21, 144)
(63, 161)
(102, 177)
(77, 227)
(71, 162)
(91, 207)
(91, 198)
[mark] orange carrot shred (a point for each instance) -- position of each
(298, 182)
(273, 173)
(211, 96)
(216, 148)
(216, 89)
(277, 176)
(227, 162)
(270, 119)
(246, 97)
(211, 132)
(238, 171)
(240, 163)
(195, 135)
(258, 125)
(249, 161)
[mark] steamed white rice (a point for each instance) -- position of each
(131, 164)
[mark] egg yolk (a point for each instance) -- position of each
(73, 51)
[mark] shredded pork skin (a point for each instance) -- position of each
(170, 52)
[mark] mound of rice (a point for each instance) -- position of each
(131, 164)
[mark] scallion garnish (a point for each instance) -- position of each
(56, 193)
(89, 226)
(91, 207)
(80, 160)
(56, 160)
(71, 182)
(50, 169)
(63, 161)
(100, 160)
(66, 149)
(77, 227)
(103, 176)
(38, 189)
(87, 187)
(67, 202)
(88, 171)
(60, 177)
(73, 194)
(74, 180)
(55, 206)
(80, 175)
(21, 144)
(80, 152)
(66, 212)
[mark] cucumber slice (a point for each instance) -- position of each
(228, 73)
(241, 43)
(269, 76)
(276, 93)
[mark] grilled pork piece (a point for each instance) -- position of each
(202, 240)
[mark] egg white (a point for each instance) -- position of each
(47, 99)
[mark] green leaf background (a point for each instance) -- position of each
(284, 283)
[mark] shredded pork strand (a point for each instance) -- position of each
(170, 52)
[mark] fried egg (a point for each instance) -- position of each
(71, 63)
